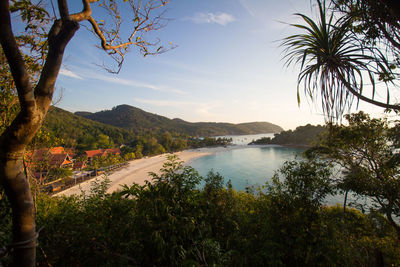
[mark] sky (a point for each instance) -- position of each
(227, 67)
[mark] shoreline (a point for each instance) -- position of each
(138, 170)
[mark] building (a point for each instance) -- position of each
(90, 154)
(42, 160)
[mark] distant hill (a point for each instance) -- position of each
(75, 129)
(139, 121)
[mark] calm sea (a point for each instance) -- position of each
(254, 165)
(246, 165)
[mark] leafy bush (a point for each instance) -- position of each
(171, 221)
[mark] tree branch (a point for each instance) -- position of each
(15, 60)
(366, 99)
(63, 9)
(85, 13)
(60, 34)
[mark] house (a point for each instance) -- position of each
(90, 154)
(40, 161)
(79, 165)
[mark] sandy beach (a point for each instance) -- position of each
(138, 170)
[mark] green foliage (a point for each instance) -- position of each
(376, 24)
(32, 40)
(307, 182)
(172, 222)
(209, 141)
(301, 136)
(105, 161)
(58, 173)
(82, 133)
(142, 122)
(366, 152)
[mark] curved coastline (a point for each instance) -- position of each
(138, 170)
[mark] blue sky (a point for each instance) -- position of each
(227, 67)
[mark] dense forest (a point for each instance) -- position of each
(301, 136)
(140, 121)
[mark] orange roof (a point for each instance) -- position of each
(58, 160)
(94, 153)
(102, 152)
(57, 150)
(70, 151)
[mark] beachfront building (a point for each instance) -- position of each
(41, 161)
(90, 154)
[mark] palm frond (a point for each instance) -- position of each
(332, 62)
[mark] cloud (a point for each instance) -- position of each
(136, 84)
(220, 18)
(69, 73)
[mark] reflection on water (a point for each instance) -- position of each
(246, 165)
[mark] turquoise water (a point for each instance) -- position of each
(246, 165)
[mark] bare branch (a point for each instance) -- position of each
(146, 17)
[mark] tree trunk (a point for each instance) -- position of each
(345, 201)
(34, 104)
(23, 213)
(394, 224)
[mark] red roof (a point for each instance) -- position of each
(94, 153)
(58, 160)
(57, 150)
(53, 157)
(102, 152)
(70, 151)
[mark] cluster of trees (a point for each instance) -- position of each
(301, 136)
(209, 141)
(171, 221)
(84, 134)
(105, 161)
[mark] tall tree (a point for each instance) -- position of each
(35, 98)
(366, 150)
(335, 62)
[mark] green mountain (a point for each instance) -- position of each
(75, 130)
(139, 121)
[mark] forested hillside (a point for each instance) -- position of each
(75, 130)
(139, 121)
(301, 136)
(70, 130)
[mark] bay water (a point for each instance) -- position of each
(254, 165)
(246, 165)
